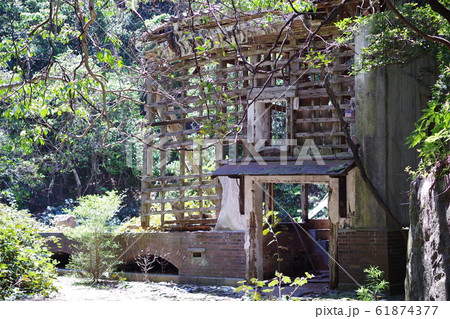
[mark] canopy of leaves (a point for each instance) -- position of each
(71, 96)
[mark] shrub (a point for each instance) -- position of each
(254, 289)
(26, 268)
(375, 286)
(95, 250)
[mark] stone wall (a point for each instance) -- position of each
(428, 268)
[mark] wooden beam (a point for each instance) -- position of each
(333, 252)
(253, 213)
(300, 179)
(186, 210)
(304, 202)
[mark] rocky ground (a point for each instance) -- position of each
(74, 289)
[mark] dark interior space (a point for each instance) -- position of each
(149, 264)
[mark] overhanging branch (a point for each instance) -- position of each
(357, 158)
(415, 29)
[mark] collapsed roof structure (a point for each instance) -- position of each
(237, 105)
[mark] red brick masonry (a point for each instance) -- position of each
(206, 254)
(359, 249)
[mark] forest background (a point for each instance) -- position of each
(72, 88)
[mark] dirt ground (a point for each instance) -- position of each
(74, 289)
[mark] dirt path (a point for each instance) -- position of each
(73, 289)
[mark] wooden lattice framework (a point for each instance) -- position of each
(176, 180)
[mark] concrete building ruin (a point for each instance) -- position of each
(211, 194)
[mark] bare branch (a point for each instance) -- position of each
(385, 208)
(35, 79)
(83, 37)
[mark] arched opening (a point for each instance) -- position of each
(62, 258)
(149, 264)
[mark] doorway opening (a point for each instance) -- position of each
(297, 229)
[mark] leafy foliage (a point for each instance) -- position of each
(288, 200)
(375, 286)
(26, 268)
(255, 292)
(432, 134)
(67, 108)
(390, 41)
(393, 42)
(95, 249)
(19, 177)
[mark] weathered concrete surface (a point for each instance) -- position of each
(62, 245)
(230, 217)
(388, 101)
(428, 267)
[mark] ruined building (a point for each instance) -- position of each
(213, 193)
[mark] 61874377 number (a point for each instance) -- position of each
(406, 310)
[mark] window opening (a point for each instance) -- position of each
(286, 199)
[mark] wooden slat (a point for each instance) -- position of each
(150, 138)
(191, 119)
(318, 134)
(321, 107)
(181, 199)
(179, 188)
(192, 221)
(324, 120)
(165, 178)
(186, 210)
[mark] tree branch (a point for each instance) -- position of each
(385, 208)
(91, 73)
(414, 28)
(438, 7)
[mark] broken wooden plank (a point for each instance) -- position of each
(175, 178)
(186, 210)
(178, 188)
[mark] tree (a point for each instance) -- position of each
(95, 250)
(71, 95)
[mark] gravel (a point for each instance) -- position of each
(75, 289)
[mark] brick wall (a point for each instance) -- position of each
(359, 249)
(299, 242)
(196, 254)
(206, 254)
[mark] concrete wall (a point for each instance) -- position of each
(389, 101)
